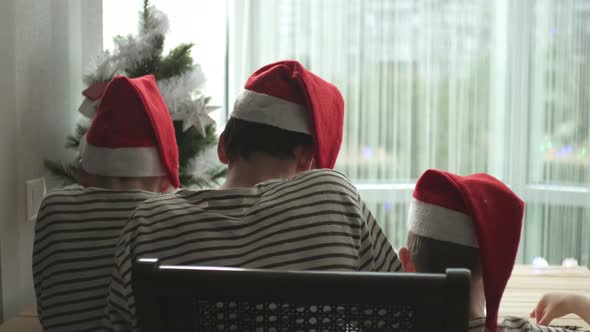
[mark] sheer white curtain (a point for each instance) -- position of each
(417, 76)
(419, 80)
(466, 86)
(558, 222)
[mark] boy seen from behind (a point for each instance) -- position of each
(128, 155)
(273, 211)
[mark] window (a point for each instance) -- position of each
(467, 86)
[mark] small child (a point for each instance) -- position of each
(471, 222)
(128, 154)
(555, 305)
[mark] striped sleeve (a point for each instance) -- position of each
(37, 275)
(376, 253)
(120, 309)
(477, 325)
(514, 324)
(521, 324)
(76, 232)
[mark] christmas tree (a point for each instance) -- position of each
(180, 81)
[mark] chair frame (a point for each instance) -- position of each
(437, 294)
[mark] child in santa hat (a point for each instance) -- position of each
(128, 155)
(281, 207)
(471, 222)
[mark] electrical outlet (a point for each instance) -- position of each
(36, 190)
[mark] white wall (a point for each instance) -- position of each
(45, 46)
(7, 139)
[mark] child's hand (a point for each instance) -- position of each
(555, 305)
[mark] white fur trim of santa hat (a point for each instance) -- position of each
(439, 223)
(265, 109)
(121, 162)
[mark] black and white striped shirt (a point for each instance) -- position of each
(513, 324)
(75, 237)
(315, 221)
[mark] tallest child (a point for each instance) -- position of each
(281, 207)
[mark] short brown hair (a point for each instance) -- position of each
(244, 138)
(434, 256)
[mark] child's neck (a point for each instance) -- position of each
(477, 307)
(248, 173)
(130, 184)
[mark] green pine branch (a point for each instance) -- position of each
(177, 62)
(90, 78)
(67, 172)
(218, 174)
(150, 64)
(147, 19)
(191, 144)
(73, 141)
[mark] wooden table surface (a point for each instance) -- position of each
(524, 290)
(527, 286)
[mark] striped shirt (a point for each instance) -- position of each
(75, 237)
(315, 221)
(513, 324)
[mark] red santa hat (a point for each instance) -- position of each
(476, 211)
(132, 134)
(286, 95)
